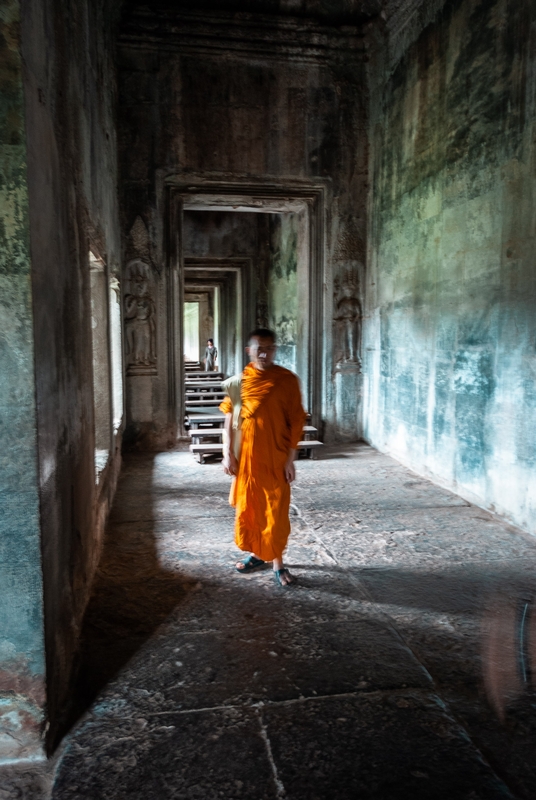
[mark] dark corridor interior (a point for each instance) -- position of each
(359, 176)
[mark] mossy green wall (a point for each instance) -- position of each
(22, 659)
(450, 329)
(283, 286)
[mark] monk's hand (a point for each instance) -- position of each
(290, 469)
(230, 464)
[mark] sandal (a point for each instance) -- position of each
(284, 571)
(250, 563)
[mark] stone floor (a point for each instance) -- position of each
(390, 670)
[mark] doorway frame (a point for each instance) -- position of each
(241, 265)
(263, 196)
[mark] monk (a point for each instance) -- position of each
(271, 425)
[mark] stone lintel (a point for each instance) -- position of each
(249, 35)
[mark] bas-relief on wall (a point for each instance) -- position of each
(139, 306)
(347, 322)
(140, 319)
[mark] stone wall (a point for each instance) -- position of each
(450, 328)
(72, 178)
(210, 98)
(283, 287)
(220, 234)
(22, 646)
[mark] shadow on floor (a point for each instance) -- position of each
(131, 596)
(362, 681)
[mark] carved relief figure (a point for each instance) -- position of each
(286, 331)
(140, 319)
(347, 319)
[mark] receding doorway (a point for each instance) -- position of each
(191, 348)
(257, 261)
(215, 285)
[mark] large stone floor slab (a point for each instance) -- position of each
(203, 756)
(382, 746)
(369, 679)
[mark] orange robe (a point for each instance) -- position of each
(272, 425)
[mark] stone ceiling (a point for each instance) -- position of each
(332, 12)
(313, 30)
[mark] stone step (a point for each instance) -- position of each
(212, 395)
(206, 419)
(200, 403)
(204, 375)
(309, 445)
(212, 449)
(201, 433)
(203, 385)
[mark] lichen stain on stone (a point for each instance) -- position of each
(21, 724)
(452, 251)
(283, 286)
(13, 222)
(16, 677)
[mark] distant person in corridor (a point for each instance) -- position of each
(211, 356)
(272, 420)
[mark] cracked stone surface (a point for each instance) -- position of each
(367, 679)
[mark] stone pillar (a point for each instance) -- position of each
(22, 648)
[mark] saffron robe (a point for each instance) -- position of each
(272, 425)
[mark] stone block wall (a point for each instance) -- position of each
(283, 287)
(450, 330)
(69, 91)
(199, 102)
(22, 644)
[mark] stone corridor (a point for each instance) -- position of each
(364, 681)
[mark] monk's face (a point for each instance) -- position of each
(262, 351)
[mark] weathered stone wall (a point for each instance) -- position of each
(199, 101)
(220, 234)
(450, 326)
(283, 287)
(22, 646)
(69, 94)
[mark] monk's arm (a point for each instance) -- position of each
(290, 469)
(230, 464)
(295, 421)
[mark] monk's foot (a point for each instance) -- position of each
(283, 577)
(250, 563)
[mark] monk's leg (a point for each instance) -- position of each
(280, 534)
(242, 565)
(285, 577)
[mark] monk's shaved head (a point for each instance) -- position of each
(261, 333)
(261, 347)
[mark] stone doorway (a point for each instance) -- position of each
(219, 286)
(279, 286)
